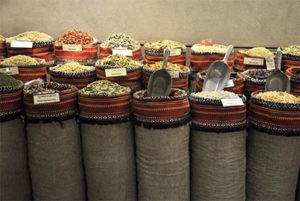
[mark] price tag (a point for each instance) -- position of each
(124, 52)
(229, 83)
(232, 102)
(270, 62)
(207, 42)
(174, 73)
(10, 70)
(72, 47)
(115, 72)
(253, 61)
(46, 98)
(174, 52)
(21, 44)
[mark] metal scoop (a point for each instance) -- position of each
(218, 74)
(160, 81)
(278, 81)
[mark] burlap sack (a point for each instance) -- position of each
(108, 152)
(14, 182)
(272, 166)
(218, 166)
(163, 163)
(55, 161)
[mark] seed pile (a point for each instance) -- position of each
(215, 48)
(216, 94)
(296, 71)
(2, 38)
(33, 36)
(170, 67)
(73, 67)
(260, 74)
(293, 50)
(19, 60)
(39, 89)
(8, 81)
(258, 52)
(278, 96)
(164, 44)
(76, 37)
(104, 88)
(120, 40)
(118, 61)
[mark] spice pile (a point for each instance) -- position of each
(215, 48)
(2, 38)
(120, 40)
(216, 94)
(170, 67)
(293, 50)
(73, 67)
(8, 81)
(19, 60)
(164, 44)
(260, 74)
(33, 36)
(258, 52)
(76, 37)
(104, 88)
(118, 61)
(278, 96)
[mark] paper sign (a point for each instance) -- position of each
(46, 98)
(174, 73)
(72, 47)
(115, 72)
(253, 61)
(232, 102)
(10, 70)
(21, 44)
(174, 52)
(207, 42)
(124, 52)
(270, 62)
(229, 83)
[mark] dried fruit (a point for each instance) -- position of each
(19, 60)
(33, 36)
(170, 67)
(120, 40)
(76, 37)
(260, 74)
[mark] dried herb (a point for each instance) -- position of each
(8, 81)
(104, 88)
(164, 44)
(118, 61)
(121, 40)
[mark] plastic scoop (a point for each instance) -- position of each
(218, 74)
(278, 81)
(160, 81)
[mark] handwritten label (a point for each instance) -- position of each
(253, 61)
(10, 70)
(72, 47)
(124, 52)
(270, 62)
(174, 73)
(229, 83)
(226, 102)
(174, 52)
(207, 42)
(21, 44)
(46, 98)
(115, 72)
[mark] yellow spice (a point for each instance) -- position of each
(258, 52)
(33, 36)
(278, 96)
(73, 67)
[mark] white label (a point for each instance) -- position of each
(253, 61)
(232, 102)
(270, 62)
(72, 47)
(174, 52)
(10, 70)
(229, 83)
(115, 72)
(46, 98)
(123, 52)
(174, 73)
(21, 44)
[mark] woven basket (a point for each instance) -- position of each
(2, 50)
(289, 60)
(295, 81)
(136, 54)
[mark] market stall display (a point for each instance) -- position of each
(294, 74)
(78, 46)
(73, 73)
(33, 44)
(24, 68)
(2, 47)
(120, 43)
(290, 57)
(154, 51)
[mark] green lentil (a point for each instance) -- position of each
(19, 60)
(104, 88)
(118, 60)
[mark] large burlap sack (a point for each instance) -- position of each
(15, 181)
(163, 163)
(55, 161)
(272, 166)
(218, 165)
(108, 152)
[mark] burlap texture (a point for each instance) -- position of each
(14, 180)
(55, 161)
(163, 163)
(218, 166)
(108, 152)
(272, 166)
